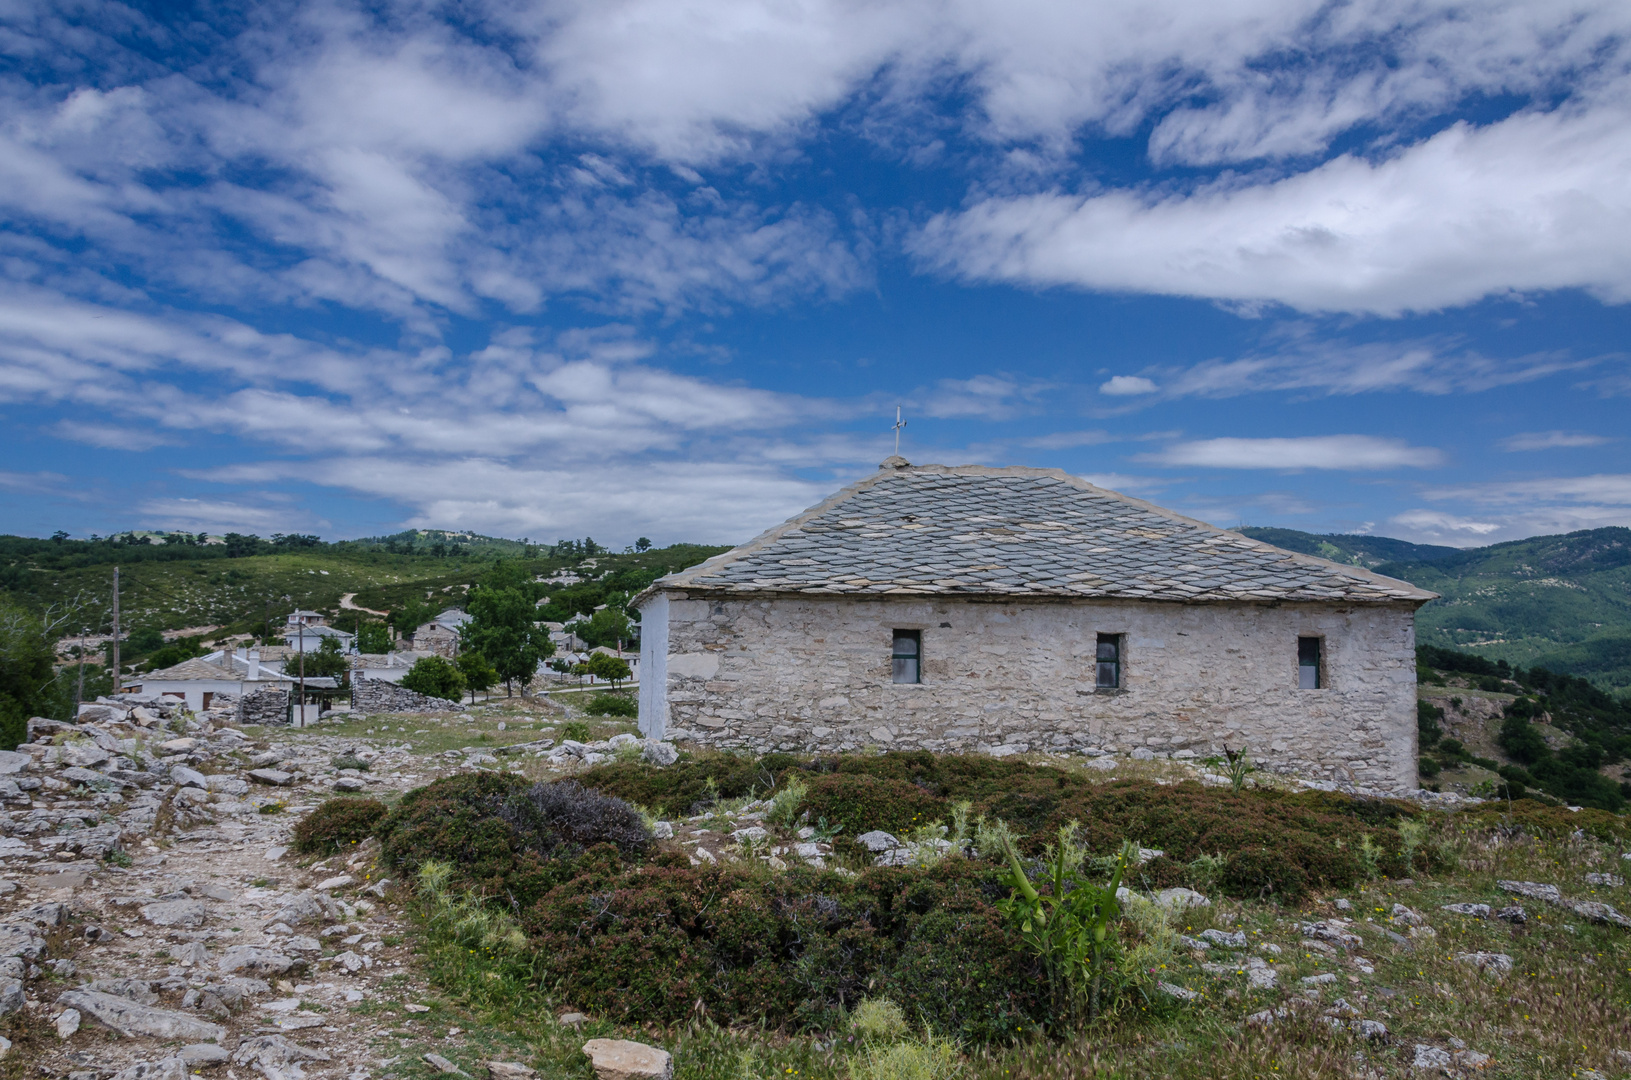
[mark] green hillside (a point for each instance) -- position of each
(244, 584)
(1560, 602)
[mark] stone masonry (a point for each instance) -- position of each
(372, 696)
(810, 673)
(1010, 576)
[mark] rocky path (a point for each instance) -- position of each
(154, 923)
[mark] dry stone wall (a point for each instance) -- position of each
(378, 696)
(266, 706)
(803, 673)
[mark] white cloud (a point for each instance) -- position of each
(1605, 488)
(1442, 526)
(1552, 440)
(220, 516)
(1530, 203)
(1127, 386)
(1357, 452)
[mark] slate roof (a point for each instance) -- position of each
(200, 670)
(969, 530)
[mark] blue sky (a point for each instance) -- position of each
(667, 267)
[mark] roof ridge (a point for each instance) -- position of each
(1013, 538)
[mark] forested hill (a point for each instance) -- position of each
(1559, 602)
(246, 584)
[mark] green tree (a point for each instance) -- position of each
(503, 624)
(144, 639)
(29, 685)
(609, 668)
(607, 627)
(478, 674)
(435, 676)
(410, 615)
(323, 662)
(373, 638)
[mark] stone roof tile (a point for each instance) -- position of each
(973, 530)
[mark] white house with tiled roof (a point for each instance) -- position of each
(199, 680)
(1015, 609)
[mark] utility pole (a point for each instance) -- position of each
(79, 690)
(116, 679)
(302, 636)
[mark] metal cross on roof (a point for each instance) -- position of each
(899, 423)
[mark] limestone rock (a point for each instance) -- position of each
(67, 1023)
(619, 1059)
(271, 777)
(176, 913)
(659, 753)
(1182, 993)
(275, 1051)
(1236, 940)
(442, 1065)
(12, 997)
(130, 1019)
(170, 1068)
(1431, 1057)
(1533, 890)
(204, 1054)
(1476, 911)
(309, 907)
(1495, 965)
(180, 774)
(510, 1070)
(256, 961)
(877, 840)
(1181, 899)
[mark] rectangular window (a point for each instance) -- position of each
(906, 658)
(1308, 663)
(1109, 662)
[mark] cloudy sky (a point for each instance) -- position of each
(667, 267)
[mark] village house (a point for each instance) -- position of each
(441, 635)
(1015, 609)
(200, 680)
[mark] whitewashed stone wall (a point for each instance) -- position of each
(805, 673)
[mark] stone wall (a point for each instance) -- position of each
(267, 706)
(804, 673)
(378, 696)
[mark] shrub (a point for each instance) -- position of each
(1429, 767)
(685, 787)
(612, 705)
(349, 761)
(434, 676)
(564, 818)
(455, 820)
(338, 824)
(575, 730)
(878, 1020)
(862, 803)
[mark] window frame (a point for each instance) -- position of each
(1318, 666)
(896, 657)
(1119, 643)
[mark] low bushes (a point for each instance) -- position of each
(666, 940)
(612, 705)
(564, 818)
(337, 824)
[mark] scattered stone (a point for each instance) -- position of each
(1180, 992)
(1431, 1057)
(663, 830)
(1374, 1030)
(332, 883)
(309, 907)
(1320, 979)
(67, 1023)
(1513, 914)
(1612, 881)
(130, 1019)
(1236, 940)
(253, 960)
(274, 1051)
(1476, 911)
(572, 1019)
(1597, 912)
(180, 774)
(877, 840)
(355, 783)
(204, 1054)
(1341, 904)
(1181, 899)
(657, 753)
(413, 1008)
(1533, 890)
(170, 1068)
(1406, 917)
(176, 913)
(619, 1059)
(271, 777)
(442, 1065)
(1495, 965)
(510, 1070)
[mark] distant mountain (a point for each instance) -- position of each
(1355, 550)
(1560, 602)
